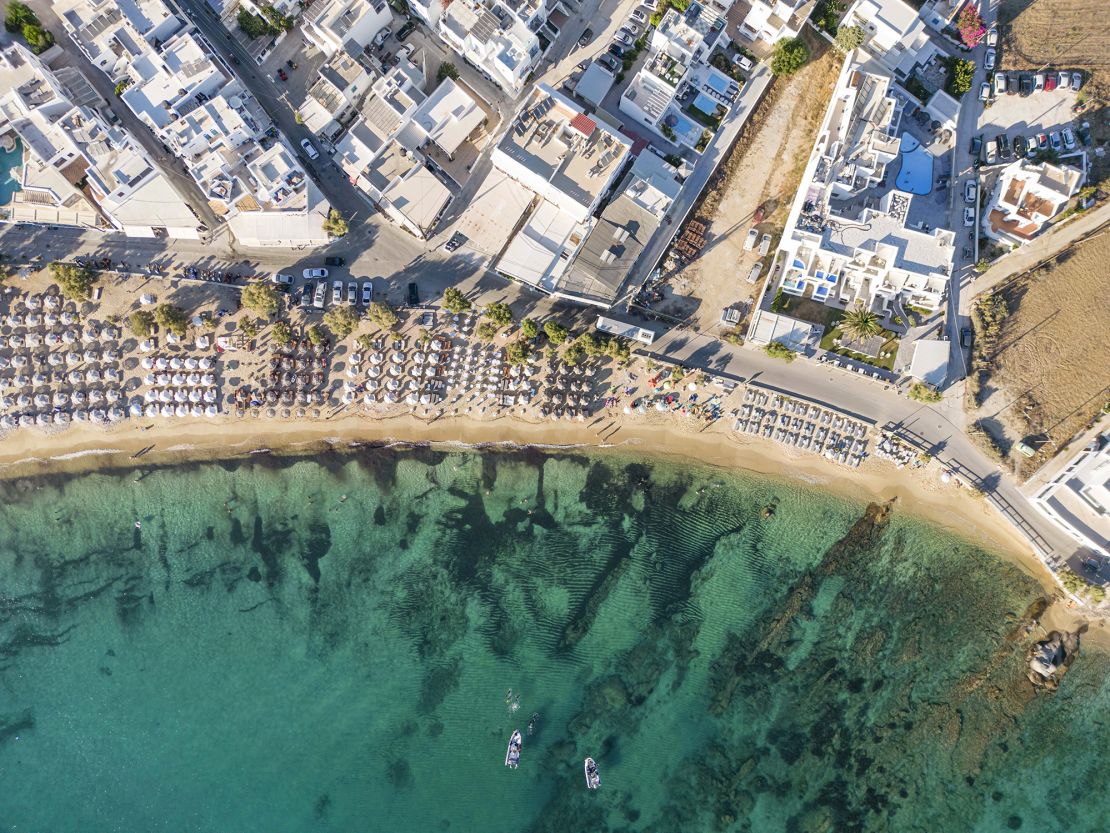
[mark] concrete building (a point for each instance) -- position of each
(895, 34)
(331, 26)
(1026, 196)
(76, 168)
(1078, 498)
(113, 34)
(772, 20)
(498, 38)
(334, 97)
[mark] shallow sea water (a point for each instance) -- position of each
(330, 646)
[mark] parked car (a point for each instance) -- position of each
(617, 51)
(309, 149)
(1084, 131)
(281, 280)
(639, 15)
(320, 294)
(587, 36)
(1050, 82)
(1038, 81)
(630, 29)
(970, 187)
(1076, 80)
(992, 37)
(282, 76)
(988, 60)
(306, 296)
(609, 62)
(1021, 147)
(367, 293)
(755, 271)
(750, 240)
(992, 152)
(352, 293)
(1003, 146)
(1042, 141)
(1026, 84)
(414, 295)
(623, 38)
(984, 91)
(405, 52)
(976, 145)
(969, 217)
(744, 62)
(406, 30)
(457, 239)
(380, 38)
(334, 260)
(1054, 141)
(1063, 80)
(314, 274)
(965, 337)
(337, 292)
(1069, 138)
(999, 83)
(764, 245)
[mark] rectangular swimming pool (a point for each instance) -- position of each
(10, 160)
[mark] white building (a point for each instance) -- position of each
(499, 39)
(77, 169)
(334, 97)
(569, 161)
(1026, 196)
(1078, 498)
(771, 20)
(113, 34)
(332, 25)
(894, 33)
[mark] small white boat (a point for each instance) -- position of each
(593, 777)
(512, 756)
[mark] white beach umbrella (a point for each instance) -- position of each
(208, 379)
(377, 358)
(393, 384)
(50, 319)
(14, 320)
(43, 419)
(79, 397)
(4, 363)
(419, 357)
(412, 385)
(151, 395)
(16, 340)
(429, 372)
(348, 396)
(210, 395)
(146, 346)
(26, 420)
(191, 363)
(112, 394)
(196, 410)
(211, 411)
(19, 360)
(151, 411)
(391, 397)
(7, 421)
(181, 411)
(203, 342)
(195, 395)
(42, 400)
(171, 338)
(352, 370)
(165, 411)
(412, 399)
(176, 363)
(68, 318)
(180, 378)
(205, 363)
(165, 395)
(90, 333)
(373, 384)
(96, 396)
(356, 358)
(115, 414)
(180, 396)
(97, 415)
(146, 299)
(53, 339)
(92, 375)
(52, 302)
(193, 379)
(34, 340)
(415, 372)
(32, 302)
(60, 398)
(397, 357)
(395, 370)
(91, 356)
(148, 362)
(374, 372)
(136, 409)
(61, 418)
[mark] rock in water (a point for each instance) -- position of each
(1050, 659)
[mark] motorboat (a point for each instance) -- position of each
(593, 777)
(512, 756)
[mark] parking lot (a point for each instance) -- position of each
(1041, 111)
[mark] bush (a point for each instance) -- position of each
(574, 354)
(970, 26)
(342, 320)
(827, 15)
(618, 350)
(74, 281)
(249, 327)
(778, 350)
(499, 313)
(17, 16)
(920, 392)
(251, 25)
(335, 225)
(38, 39)
(849, 38)
(517, 352)
(454, 301)
(383, 315)
(961, 74)
(790, 56)
(315, 335)
(172, 319)
(529, 328)
(556, 332)
(734, 336)
(486, 331)
(121, 86)
(281, 333)
(141, 323)
(261, 297)
(447, 70)
(778, 303)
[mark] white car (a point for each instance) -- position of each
(992, 37)
(1068, 137)
(314, 274)
(367, 293)
(319, 295)
(969, 217)
(283, 280)
(1076, 80)
(638, 15)
(309, 149)
(764, 245)
(969, 190)
(337, 292)
(984, 91)
(1063, 80)
(751, 239)
(988, 62)
(405, 52)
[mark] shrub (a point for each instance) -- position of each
(921, 392)
(778, 350)
(335, 225)
(121, 86)
(499, 313)
(970, 26)
(961, 74)
(249, 327)
(486, 331)
(342, 320)
(618, 350)
(172, 318)
(251, 25)
(261, 297)
(454, 301)
(17, 16)
(529, 328)
(141, 323)
(365, 342)
(778, 303)
(849, 38)
(518, 352)
(790, 56)
(74, 281)
(383, 315)
(315, 335)
(734, 336)
(447, 70)
(574, 354)
(38, 39)
(590, 344)
(827, 15)
(556, 332)
(281, 333)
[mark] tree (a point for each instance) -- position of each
(447, 70)
(342, 320)
(790, 56)
(297, 117)
(315, 335)
(121, 86)
(486, 331)
(971, 26)
(17, 16)
(556, 332)
(38, 39)
(454, 301)
(281, 333)
(261, 297)
(778, 303)
(517, 352)
(499, 313)
(849, 38)
(921, 392)
(277, 21)
(365, 342)
(618, 350)
(590, 344)
(574, 354)
(335, 225)
(74, 281)
(778, 350)
(251, 25)
(529, 328)
(383, 315)
(827, 15)
(172, 318)
(860, 323)
(249, 327)
(141, 323)
(961, 75)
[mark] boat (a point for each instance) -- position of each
(512, 756)
(593, 777)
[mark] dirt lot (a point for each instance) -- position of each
(764, 167)
(1066, 34)
(1049, 372)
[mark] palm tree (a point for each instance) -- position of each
(860, 323)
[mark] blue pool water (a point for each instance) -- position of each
(717, 83)
(705, 104)
(916, 173)
(9, 159)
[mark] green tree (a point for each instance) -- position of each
(335, 225)
(499, 313)
(486, 331)
(921, 392)
(827, 15)
(121, 86)
(454, 301)
(529, 328)
(590, 344)
(342, 320)
(172, 319)
(141, 323)
(790, 56)
(778, 350)
(251, 24)
(517, 352)
(447, 70)
(860, 323)
(281, 333)
(38, 39)
(17, 16)
(315, 335)
(297, 117)
(618, 350)
(249, 326)
(383, 315)
(261, 297)
(74, 281)
(778, 303)
(277, 21)
(556, 332)
(849, 38)
(961, 75)
(574, 354)
(365, 342)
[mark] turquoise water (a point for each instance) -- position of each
(915, 175)
(329, 646)
(9, 161)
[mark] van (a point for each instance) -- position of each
(992, 152)
(999, 83)
(755, 272)
(750, 240)
(764, 245)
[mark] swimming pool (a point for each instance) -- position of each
(717, 83)
(10, 160)
(916, 173)
(705, 104)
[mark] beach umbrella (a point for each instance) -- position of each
(146, 299)
(96, 396)
(196, 410)
(203, 342)
(50, 319)
(43, 419)
(146, 346)
(26, 421)
(97, 415)
(16, 340)
(112, 394)
(147, 362)
(136, 409)
(415, 372)
(7, 421)
(393, 384)
(374, 372)
(176, 363)
(68, 318)
(195, 395)
(172, 338)
(60, 398)
(181, 411)
(412, 399)
(348, 396)
(191, 363)
(205, 363)
(115, 414)
(412, 384)
(377, 358)
(61, 418)
(151, 411)
(419, 357)
(42, 400)
(391, 397)
(34, 339)
(208, 379)
(79, 397)
(352, 370)
(19, 361)
(109, 334)
(91, 356)
(369, 398)
(395, 370)
(76, 377)
(211, 411)
(4, 362)
(53, 339)
(52, 302)
(90, 333)
(356, 358)
(437, 344)
(180, 396)
(397, 357)
(210, 395)
(32, 302)
(373, 384)
(112, 374)
(165, 395)
(111, 355)
(73, 358)
(179, 378)
(166, 411)
(93, 375)
(14, 320)
(425, 399)
(34, 319)
(193, 379)
(162, 379)
(429, 371)
(151, 395)
(433, 358)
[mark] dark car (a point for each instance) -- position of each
(587, 36)
(414, 295)
(334, 261)
(306, 296)
(965, 337)
(609, 62)
(1003, 146)
(406, 30)
(457, 239)
(282, 76)
(1026, 84)
(976, 145)
(1021, 146)
(617, 50)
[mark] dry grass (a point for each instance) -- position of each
(1049, 373)
(1069, 34)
